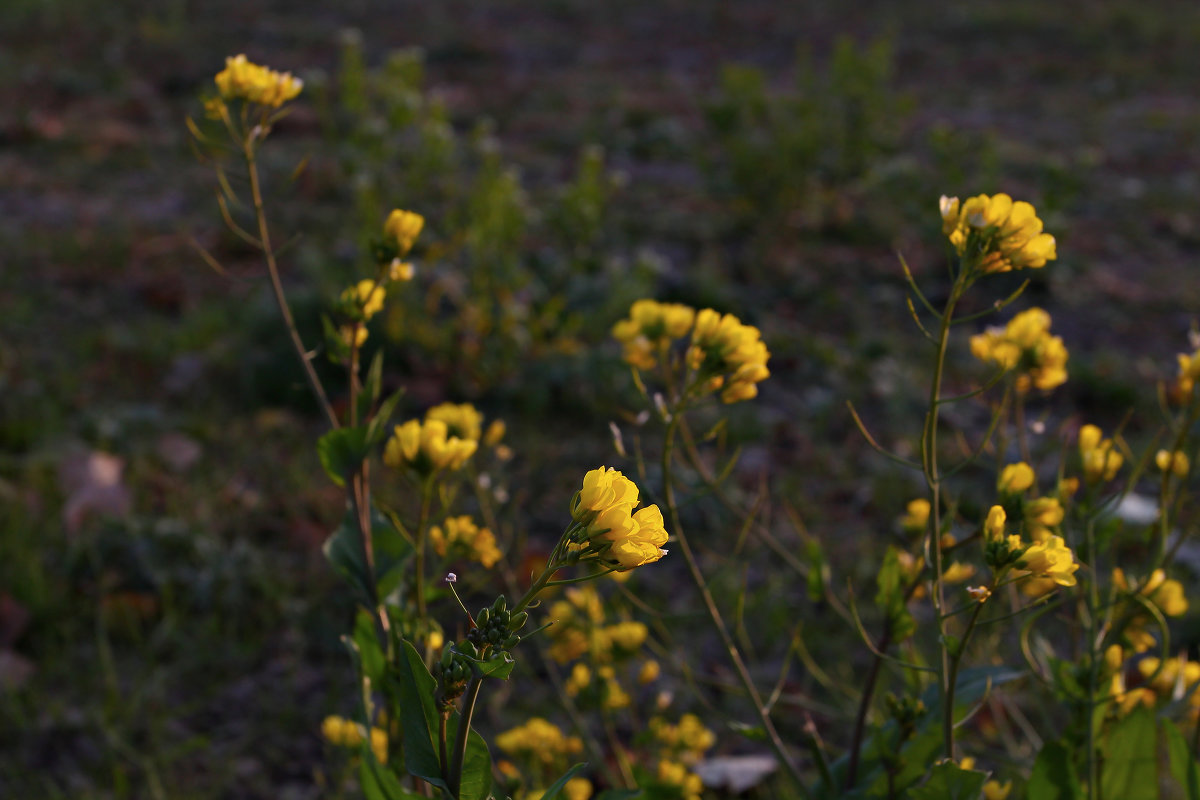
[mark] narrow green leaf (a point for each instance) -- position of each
(890, 597)
(1054, 775)
(556, 788)
(498, 666)
(369, 651)
(377, 428)
(419, 717)
(372, 384)
(1130, 765)
(950, 782)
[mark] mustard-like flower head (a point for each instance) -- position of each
(245, 80)
(650, 329)
(1100, 458)
(427, 447)
(401, 230)
(1050, 559)
(613, 531)
(462, 537)
(997, 234)
(725, 353)
(1025, 345)
(1015, 478)
(462, 419)
(1175, 462)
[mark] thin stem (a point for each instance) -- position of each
(933, 479)
(715, 614)
(864, 704)
(421, 541)
(264, 236)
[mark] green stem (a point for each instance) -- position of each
(714, 613)
(421, 541)
(264, 236)
(933, 480)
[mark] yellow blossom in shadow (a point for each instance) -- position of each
(1025, 345)
(426, 447)
(650, 329)
(995, 233)
(916, 515)
(244, 80)
(460, 535)
(1176, 462)
(1015, 478)
(1050, 559)
(1101, 461)
(726, 353)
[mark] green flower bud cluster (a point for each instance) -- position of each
(451, 673)
(495, 628)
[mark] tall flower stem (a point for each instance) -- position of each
(714, 613)
(264, 236)
(933, 479)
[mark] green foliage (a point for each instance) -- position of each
(949, 782)
(892, 597)
(1053, 776)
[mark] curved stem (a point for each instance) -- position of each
(264, 236)
(715, 614)
(454, 777)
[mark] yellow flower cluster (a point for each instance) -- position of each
(342, 732)
(359, 303)
(688, 783)
(650, 329)
(912, 567)
(1047, 558)
(579, 628)
(244, 80)
(615, 533)
(1100, 458)
(402, 228)
(1025, 344)
(687, 741)
(540, 740)
(462, 420)
(1173, 679)
(427, 447)
(725, 353)
(461, 537)
(996, 233)
(1176, 462)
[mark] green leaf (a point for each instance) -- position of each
(377, 428)
(890, 597)
(419, 718)
(950, 782)
(500, 665)
(372, 384)
(476, 781)
(618, 794)
(1054, 775)
(344, 549)
(342, 451)
(345, 553)
(1131, 765)
(1183, 766)
(556, 788)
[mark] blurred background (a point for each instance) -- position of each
(168, 626)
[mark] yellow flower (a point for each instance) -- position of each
(462, 420)
(462, 534)
(427, 447)
(401, 271)
(245, 80)
(353, 335)
(614, 532)
(726, 353)
(581, 678)
(993, 527)
(997, 234)
(1025, 344)
(1177, 462)
(366, 297)
(917, 516)
(402, 229)
(495, 433)
(578, 789)
(651, 327)
(379, 744)
(958, 572)
(673, 773)
(1189, 371)
(994, 790)
(649, 672)
(1051, 559)
(341, 732)
(1100, 459)
(1015, 478)
(979, 594)
(628, 636)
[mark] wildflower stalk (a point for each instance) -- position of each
(714, 613)
(289, 321)
(933, 479)
(454, 778)
(421, 541)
